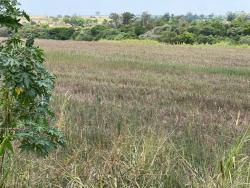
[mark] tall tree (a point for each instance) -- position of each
(127, 17)
(166, 17)
(145, 19)
(231, 16)
(115, 19)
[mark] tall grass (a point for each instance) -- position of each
(132, 119)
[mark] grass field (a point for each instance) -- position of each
(146, 115)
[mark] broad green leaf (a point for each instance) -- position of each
(6, 144)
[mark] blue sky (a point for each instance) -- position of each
(156, 7)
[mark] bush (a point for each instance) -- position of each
(96, 31)
(139, 30)
(84, 35)
(187, 38)
(203, 39)
(169, 37)
(60, 33)
(244, 40)
(128, 29)
(110, 34)
(123, 36)
(74, 21)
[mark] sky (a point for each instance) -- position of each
(155, 7)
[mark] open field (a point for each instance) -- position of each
(145, 115)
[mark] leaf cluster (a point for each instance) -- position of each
(10, 15)
(26, 88)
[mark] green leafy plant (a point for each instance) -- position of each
(26, 119)
(10, 15)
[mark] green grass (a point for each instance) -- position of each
(154, 42)
(145, 115)
(162, 67)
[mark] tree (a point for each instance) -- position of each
(166, 17)
(127, 17)
(190, 17)
(74, 21)
(145, 19)
(115, 19)
(25, 93)
(231, 16)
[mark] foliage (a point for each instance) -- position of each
(10, 14)
(78, 21)
(60, 33)
(204, 39)
(244, 40)
(174, 29)
(169, 37)
(186, 38)
(25, 94)
(115, 19)
(83, 34)
(74, 21)
(26, 89)
(127, 18)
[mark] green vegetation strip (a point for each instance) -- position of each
(176, 67)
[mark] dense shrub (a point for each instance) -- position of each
(244, 40)
(74, 21)
(114, 34)
(187, 38)
(60, 33)
(97, 30)
(122, 36)
(235, 31)
(139, 30)
(46, 32)
(110, 33)
(169, 37)
(84, 34)
(203, 39)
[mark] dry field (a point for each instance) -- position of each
(146, 115)
(58, 22)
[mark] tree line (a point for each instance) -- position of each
(232, 28)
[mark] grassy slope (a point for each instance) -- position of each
(144, 115)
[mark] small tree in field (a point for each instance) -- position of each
(25, 92)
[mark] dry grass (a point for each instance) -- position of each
(58, 22)
(143, 115)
